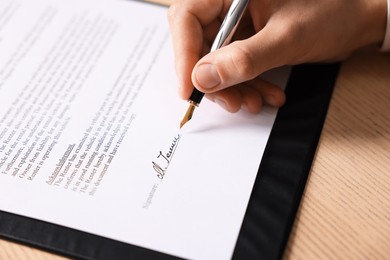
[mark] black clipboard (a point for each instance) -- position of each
(274, 200)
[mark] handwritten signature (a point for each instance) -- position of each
(165, 158)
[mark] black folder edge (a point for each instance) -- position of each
(274, 201)
(286, 163)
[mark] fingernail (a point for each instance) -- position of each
(181, 92)
(207, 76)
(221, 103)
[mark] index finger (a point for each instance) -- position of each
(187, 20)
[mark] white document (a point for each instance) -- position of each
(89, 123)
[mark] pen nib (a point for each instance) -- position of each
(188, 115)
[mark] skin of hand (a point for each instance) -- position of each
(272, 33)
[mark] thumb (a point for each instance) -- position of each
(239, 61)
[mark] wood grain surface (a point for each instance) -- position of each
(345, 210)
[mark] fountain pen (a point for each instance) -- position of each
(224, 36)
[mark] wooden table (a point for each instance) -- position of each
(345, 210)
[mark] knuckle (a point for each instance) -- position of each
(294, 36)
(290, 32)
(243, 61)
